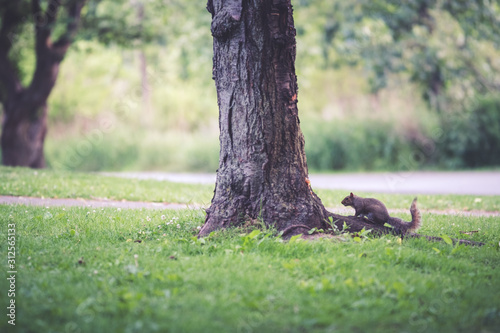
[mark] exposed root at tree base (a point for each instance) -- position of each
(356, 224)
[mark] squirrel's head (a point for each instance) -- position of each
(348, 201)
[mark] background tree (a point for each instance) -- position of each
(51, 27)
(25, 107)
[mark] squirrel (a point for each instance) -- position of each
(375, 211)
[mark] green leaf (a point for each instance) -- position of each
(295, 238)
(254, 234)
(447, 239)
(345, 227)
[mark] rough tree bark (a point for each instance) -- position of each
(24, 124)
(262, 168)
(262, 171)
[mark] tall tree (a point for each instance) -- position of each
(262, 168)
(25, 108)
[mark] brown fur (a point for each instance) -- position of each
(375, 211)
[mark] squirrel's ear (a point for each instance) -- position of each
(352, 195)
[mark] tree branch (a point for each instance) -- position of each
(44, 22)
(74, 12)
(8, 76)
(48, 54)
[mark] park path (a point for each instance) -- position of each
(473, 182)
(93, 203)
(123, 204)
(418, 182)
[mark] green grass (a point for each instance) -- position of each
(60, 184)
(77, 272)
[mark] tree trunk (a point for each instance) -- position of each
(262, 168)
(23, 132)
(262, 171)
(24, 124)
(147, 114)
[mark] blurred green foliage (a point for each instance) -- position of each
(383, 85)
(472, 139)
(354, 146)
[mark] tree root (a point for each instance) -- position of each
(357, 224)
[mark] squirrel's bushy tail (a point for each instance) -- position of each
(416, 218)
(414, 224)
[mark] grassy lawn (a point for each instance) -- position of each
(81, 270)
(51, 184)
(110, 270)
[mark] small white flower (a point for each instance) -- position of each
(96, 271)
(93, 211)
(148, 218)
(178, 226)
(199, 227)
(136, 256)
(119, 209)
(163, 217)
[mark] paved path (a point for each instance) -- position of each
(466, 182)
(51, 202)
(475, 183)
(123, 204)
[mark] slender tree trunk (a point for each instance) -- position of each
(147, 116)
(262, 169)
